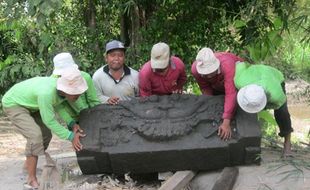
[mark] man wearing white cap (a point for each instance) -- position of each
(214, 73)
(69, 111)
(261, 87)
(115, 81)
(30, 106)
(163, 74)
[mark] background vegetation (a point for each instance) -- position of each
(274, 32)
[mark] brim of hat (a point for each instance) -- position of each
(70, 90)
(208, 68)
(159, 64)
(107, 51)
(59, 71)
(247, 108)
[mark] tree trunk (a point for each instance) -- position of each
(91, 23)
(135, 34)
(125, 29)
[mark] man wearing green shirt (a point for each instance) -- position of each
(262, 86)
(30, 106)
(69, 111)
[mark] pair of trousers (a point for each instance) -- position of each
(30, 125)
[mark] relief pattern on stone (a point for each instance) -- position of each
(162, 118)
(165, 133)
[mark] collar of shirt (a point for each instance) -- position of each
(126, 72)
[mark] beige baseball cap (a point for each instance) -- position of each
(160, 56)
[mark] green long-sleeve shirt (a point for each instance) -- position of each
(69, 111)
(38, 93)
(265, 76)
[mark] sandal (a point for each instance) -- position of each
(29, 187)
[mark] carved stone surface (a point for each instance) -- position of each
(165, 133)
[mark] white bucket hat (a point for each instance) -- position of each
(160, 56)
(252, 98)
(63, 61)
(71, 82)
(206, 61)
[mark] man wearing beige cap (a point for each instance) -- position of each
(30, 106)
(163, 74)
(214, 73)
(262, 87)
(115, 81)
(69, 111)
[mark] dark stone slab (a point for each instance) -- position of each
(165, 133)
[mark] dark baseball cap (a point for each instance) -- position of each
(114, 44)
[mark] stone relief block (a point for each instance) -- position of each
(165, 133)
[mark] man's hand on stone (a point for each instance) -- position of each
(76, 141)
(178, 91)
(113, 100)
(76, 128)
(225, 130)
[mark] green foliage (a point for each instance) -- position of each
(293, 55)
(269, 125)
(33, 31)
(266, 47)
(193, 88)
(24, 67)
(300, 20)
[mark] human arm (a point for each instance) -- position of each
(182, 74)
(91, 93)
(224, 130)
(76, 143)
(136, 84)
(145, 87)
(228, 71)
(97, 81)
(48, 117)
(98, 84)
(63, 111)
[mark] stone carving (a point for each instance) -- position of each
(161, 118)
(159, 129)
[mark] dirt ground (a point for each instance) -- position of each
(274, 173)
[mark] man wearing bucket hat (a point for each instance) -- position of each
(163, 74)
(261, 87)
(115, 81)
(30, 106)
(69, 111)
(214, 73)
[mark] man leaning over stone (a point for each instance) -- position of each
(214, 73)
(115, 81)
(69, 111)
(263, 87)
(30, 106)
(163, 74)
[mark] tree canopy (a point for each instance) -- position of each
(33, 31)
